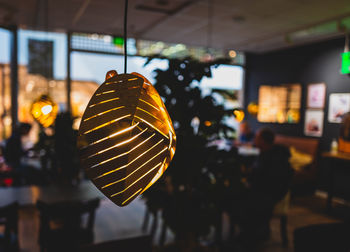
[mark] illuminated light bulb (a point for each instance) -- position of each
(253, 108)
(232, 53)
(44, 111)
(126, 138)
(238, 114)
(207, 123)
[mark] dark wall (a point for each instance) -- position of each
(313, 63)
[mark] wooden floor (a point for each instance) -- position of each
(113, 222)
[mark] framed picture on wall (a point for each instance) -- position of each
(316, 94)
(339, 104)
(279, 104)
(313, 123)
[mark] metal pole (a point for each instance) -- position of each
(69, 84)
(3, 101)
(14, 77)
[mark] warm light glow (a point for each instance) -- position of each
(126, 137)
(44, 111)
(253, 108)
(232, 53)
(207, 123)
(238, 114)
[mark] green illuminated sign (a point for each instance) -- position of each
(345, 66)
(118, 41)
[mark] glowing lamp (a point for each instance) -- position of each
(253, 108)
(238, 114)
(44, 110)
(126, 137)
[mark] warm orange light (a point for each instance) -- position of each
(126, 137)
(44, 110)
(238, 114)
(232, 53)
(253, 108)
(207, 123)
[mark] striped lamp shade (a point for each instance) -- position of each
(126, 137)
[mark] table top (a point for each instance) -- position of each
(29, 195)
(336, 155)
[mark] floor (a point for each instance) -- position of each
(113, 222)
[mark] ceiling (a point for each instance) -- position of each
(245, 25)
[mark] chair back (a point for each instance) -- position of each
(62, 222)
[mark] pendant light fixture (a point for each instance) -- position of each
(126, 138)
(44, 111)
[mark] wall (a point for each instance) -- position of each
(313, 63)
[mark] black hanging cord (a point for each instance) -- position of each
(125, 36)
(46, 27)
(210, 24)
(346, 48)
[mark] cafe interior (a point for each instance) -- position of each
(187, 125)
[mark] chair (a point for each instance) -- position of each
(141, 243)
(305, 180)
(9, 219)
(62, 227)
(281, 211)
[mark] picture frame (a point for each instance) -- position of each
(316, 95)
(339, 104)
(313, 125)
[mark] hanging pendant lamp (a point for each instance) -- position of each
(44, 110)
(126, 137)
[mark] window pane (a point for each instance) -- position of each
(5, 84)
(89, 71)
(42, 71)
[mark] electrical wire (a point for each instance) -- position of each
(346, 48)
(125, 36)
(210, 24)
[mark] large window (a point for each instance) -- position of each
(42, 70)
(5, 84)
(89, 71)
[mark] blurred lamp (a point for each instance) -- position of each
(44, 111)
(238, 114)
(253, 108)
(126, 137)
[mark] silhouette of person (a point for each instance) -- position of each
(272, 172)
(267, 184)
(13, 150)
(246, 135)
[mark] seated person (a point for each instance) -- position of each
(267, 184)
(14, 152)
(246, 135)
(272, 172)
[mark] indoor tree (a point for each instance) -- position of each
(189, 190)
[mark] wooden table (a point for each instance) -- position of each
(334, 157)
(28, 195)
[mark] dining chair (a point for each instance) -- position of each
(62, 225)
